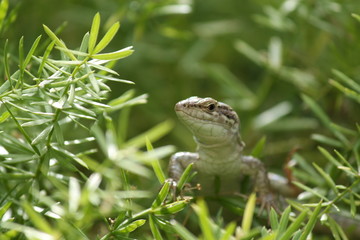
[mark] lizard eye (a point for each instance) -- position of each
(211, 107)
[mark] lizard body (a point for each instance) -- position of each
(215, 127)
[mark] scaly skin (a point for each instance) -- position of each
(219, 154)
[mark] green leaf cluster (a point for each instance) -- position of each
(53, 110)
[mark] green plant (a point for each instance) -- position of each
(51, 182)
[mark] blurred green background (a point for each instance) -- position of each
(273, 61)
(258, 56)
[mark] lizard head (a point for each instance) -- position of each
(209, 120)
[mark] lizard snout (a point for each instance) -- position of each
(177, 106)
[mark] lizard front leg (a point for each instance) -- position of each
(256, 169)
(178, 162)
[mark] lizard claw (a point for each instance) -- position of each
(173, 187)
(175, 191)
(268, 201)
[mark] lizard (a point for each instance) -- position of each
(215, 127)
(219, 155)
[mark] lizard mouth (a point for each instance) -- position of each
(191, 118)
